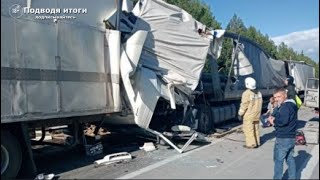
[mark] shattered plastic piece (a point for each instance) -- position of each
(149, 146)
(116, 157)
(211, 166)
(39, 176)
(44, 177)
(180, 128)
(49, 176)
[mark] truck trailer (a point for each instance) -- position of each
(67, 63)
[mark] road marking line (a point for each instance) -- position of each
(165, 161)
(306, 173)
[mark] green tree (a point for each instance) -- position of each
(225, 59)
(202, 13)
(198, 10)
(236, 25)
(263, 40)
(286, 53)
(283, 52)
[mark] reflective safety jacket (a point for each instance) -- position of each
(251, 105)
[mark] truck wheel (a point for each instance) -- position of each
(10, 155)
(205, 120)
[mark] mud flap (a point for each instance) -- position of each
(28, 167)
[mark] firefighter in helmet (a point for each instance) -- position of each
(249, 112)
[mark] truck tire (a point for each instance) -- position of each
(11, 156)
(205, 119)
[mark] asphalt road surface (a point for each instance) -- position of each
(220, 159)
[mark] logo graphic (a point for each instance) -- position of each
(15, 11)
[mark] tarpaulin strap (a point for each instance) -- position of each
(171, 95)
(28, 74)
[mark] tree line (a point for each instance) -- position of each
(202, 13)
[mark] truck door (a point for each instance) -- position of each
(312, 93)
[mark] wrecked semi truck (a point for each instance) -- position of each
(57, 68)
(223, 91)
(301, 72)
(105, 63)
(173, 55)
(75, 62)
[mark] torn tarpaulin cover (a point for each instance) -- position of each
(171, 60)
(173, 49)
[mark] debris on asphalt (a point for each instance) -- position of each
(148, 146)
(211, 166)
(112, 158)
(43, 176)
(180, 128)
(219, 160)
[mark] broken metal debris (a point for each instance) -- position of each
(112, 158)
(211, 166)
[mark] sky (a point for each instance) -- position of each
(294, 22)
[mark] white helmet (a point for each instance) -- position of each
(250, 83)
